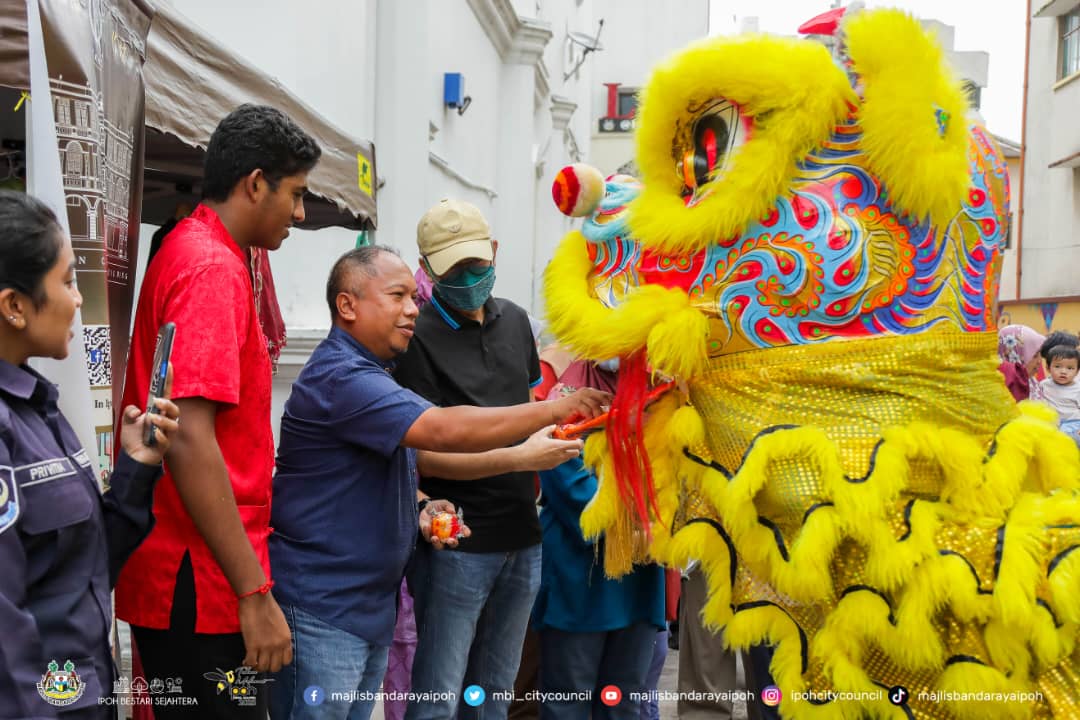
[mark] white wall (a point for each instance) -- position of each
(1051, 221)
(401, 124)
(971, 65)
(467, 142)
(556, 138)
(610, 151)
(326, 58)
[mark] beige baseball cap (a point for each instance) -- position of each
(452, 231)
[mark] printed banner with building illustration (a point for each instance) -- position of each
(95, 51)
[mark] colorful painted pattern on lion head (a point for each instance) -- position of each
(791, 207)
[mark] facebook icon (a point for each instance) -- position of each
(314, 695)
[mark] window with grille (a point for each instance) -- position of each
(73, 155)
(63, 112)
(1070, 43)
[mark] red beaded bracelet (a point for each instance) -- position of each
(262, 590)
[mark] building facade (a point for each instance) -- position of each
(1048, 203)
(635, 38)
(76, 110)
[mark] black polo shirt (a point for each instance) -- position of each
(453, 360)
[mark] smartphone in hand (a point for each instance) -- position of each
(162, 351)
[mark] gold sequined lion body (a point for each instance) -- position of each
(812, 252)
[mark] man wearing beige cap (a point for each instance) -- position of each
(472, 603)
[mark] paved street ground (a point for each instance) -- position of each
(669, 681)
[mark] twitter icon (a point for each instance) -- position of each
(474, 696)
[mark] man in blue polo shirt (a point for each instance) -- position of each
(344, 510)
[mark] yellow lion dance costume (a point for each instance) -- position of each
(812, 253)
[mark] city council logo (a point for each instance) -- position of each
(60, 687)
(9, 499)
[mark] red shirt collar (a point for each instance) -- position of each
(218, 231)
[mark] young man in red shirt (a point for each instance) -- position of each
(197, 591)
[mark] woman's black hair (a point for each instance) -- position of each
(1058, 337)
(30, 243)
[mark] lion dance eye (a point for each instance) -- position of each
(711, 140)
(718, 131)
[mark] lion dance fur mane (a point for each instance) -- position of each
(811, 251)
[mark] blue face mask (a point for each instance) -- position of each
(468, 289)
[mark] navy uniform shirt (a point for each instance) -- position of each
(344, 507)
(61, 547)
(454, 360)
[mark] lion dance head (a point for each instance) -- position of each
(811, 253)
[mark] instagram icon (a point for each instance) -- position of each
(771, 695)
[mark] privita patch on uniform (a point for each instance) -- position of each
(61, 687)
(9, 498)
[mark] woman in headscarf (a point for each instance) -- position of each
(1018, 348)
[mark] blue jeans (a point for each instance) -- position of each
(1072, 429)
(327, 662)
(650, 708)
(586, 662)
(471, 613)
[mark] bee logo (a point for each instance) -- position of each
(241, 684)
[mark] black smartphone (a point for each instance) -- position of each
(162, 351)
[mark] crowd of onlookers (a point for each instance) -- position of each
(1043, 369)
(257, 578)
(298, 580)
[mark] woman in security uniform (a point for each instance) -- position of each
(62, 541)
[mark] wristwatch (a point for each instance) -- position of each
(421, 504)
